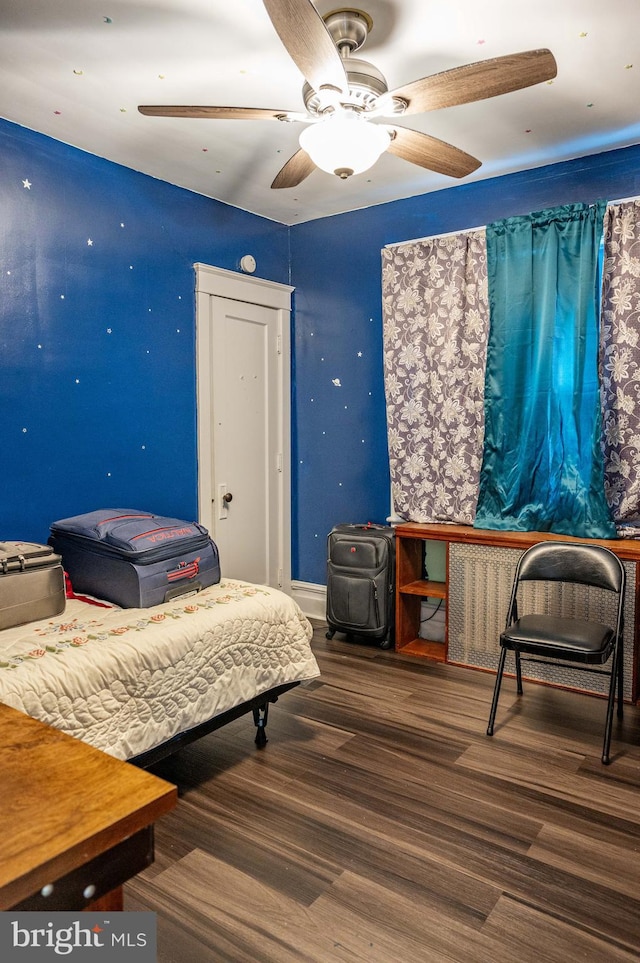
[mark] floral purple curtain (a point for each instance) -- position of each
(620, 363)
(436, 323)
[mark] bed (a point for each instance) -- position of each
(140, 683)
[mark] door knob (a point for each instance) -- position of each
(227, 497)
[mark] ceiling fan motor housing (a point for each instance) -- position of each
(366, 85)
(349, 30)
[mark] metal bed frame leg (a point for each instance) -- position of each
(260, 718)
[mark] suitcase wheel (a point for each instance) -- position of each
(386, 644)
(331, 633)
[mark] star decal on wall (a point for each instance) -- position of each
(26, 184)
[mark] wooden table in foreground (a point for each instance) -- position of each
(76, 823)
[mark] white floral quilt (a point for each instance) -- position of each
(126, 680)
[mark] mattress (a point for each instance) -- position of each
(126, 680)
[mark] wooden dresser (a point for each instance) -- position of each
(76, 823)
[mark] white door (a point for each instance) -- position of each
(243, 416)
(245, 439)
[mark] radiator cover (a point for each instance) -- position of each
(479, 589)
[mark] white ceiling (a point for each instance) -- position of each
(77, 69)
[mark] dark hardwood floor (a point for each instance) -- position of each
(380, 823)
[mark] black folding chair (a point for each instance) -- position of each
(559, 639)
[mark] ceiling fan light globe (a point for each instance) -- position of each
(344, 142)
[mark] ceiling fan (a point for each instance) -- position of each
(347, 99)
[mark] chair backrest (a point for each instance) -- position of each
(576, 562)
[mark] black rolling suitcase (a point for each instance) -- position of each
(361, 582)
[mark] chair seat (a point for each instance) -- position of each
(558, 636)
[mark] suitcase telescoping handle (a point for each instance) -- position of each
(20, 559)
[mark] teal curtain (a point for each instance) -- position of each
(542, 464)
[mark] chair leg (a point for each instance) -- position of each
(518, 672)
(615, 680)
(496, 692)
(620, 686)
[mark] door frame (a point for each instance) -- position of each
(220, 282)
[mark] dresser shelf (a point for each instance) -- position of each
(411, 590)
(425, 588)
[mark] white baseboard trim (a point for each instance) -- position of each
(311, 598)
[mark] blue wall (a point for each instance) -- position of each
(97, 341)
(97, 331)
(340, 454)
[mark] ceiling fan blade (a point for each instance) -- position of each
(308, 42)
(295, 170)
(435, 155)
(221, 113)
(488, 78)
